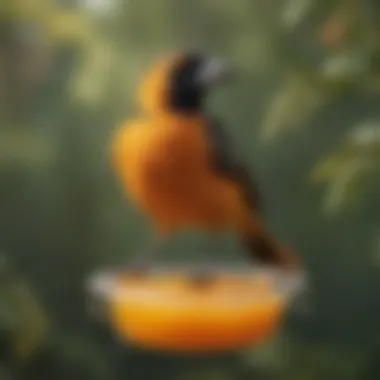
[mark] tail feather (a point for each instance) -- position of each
(265, 248)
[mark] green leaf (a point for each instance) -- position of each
(299, 97)
(295, 11)
(345, 171)
(346, 185)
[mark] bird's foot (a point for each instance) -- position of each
(137, 268)
(202, 277)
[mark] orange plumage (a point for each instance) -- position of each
(164, 159)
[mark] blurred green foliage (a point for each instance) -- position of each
(308, 84)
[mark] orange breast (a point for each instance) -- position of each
(165, 168)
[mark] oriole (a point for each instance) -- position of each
(179, 166)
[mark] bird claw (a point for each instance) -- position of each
(202, 277)
(138, 269)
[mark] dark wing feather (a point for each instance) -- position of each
(228, 163)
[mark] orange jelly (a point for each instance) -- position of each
(169, 312)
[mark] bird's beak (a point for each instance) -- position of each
(214, 71)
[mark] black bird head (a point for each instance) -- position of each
(191, 79)
(180, 83)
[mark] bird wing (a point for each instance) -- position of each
(228, 164)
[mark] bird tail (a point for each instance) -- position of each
(265, 248)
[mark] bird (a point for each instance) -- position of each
(179, 166)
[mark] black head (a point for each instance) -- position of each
(191, 79)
